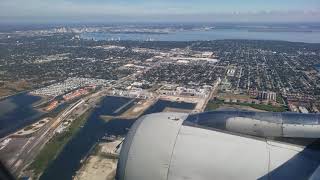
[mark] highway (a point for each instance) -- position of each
(34, 144)
(41, 137)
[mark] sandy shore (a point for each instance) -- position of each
(102, 164)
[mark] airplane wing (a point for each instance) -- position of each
(222, 145)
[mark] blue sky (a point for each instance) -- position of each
(160, 10)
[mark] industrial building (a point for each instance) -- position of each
(267, 95)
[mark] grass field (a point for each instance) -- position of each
(213, 105)
(55, 145)
(8, 88)
(264, 107)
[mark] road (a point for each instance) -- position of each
(34, 144)
(38, 141)
(213, 91)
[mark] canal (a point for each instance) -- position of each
(68, 161)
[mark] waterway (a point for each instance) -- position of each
(68, 161)
(16, 112)
(215, 34)
(160, 105)
(317, 67)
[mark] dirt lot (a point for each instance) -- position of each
(98, 168)
(102, 164)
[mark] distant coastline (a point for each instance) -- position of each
(282, 30)
(305, 36)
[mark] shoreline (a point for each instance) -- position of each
(41, 162)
